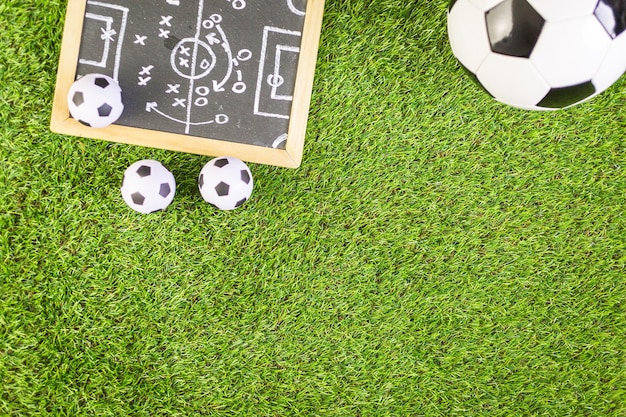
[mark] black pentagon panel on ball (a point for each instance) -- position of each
(245, 176)
(78, 98)
(165, 190)
(241, 202)
(612, 15)
(221, 163)
(222, 189)
(559, 98)
(144, 171)
(105, 110)
(138, 198)
(513, 27)
(101, 82)
(201, 181)
(451, 4)
(82, 122)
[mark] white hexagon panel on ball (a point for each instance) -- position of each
(570, 52)
(468, 35)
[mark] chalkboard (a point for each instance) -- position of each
(212, 77)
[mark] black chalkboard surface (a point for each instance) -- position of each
(215, 77)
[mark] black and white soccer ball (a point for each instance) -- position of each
(540, 54)
(148, 186)
(225, 182)
(95, 100)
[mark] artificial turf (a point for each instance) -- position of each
(437, 253)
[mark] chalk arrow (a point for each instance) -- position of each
(218, 87)
(212, 38)
(152, 107)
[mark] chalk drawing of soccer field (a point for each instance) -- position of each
(220, 70)
(201, 69)
(208, 65)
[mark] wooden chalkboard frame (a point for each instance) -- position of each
(290, 156)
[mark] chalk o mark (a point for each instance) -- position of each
(212, 21)
(238, 4)
(221, 119)
(239, 88)
(203, 91)
(244, 55)
(201, 102)
(275, 80)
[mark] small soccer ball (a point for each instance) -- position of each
(148, 186)
(95, 100)
(540, 54)
(225, 182)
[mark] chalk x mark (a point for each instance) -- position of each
(140, 40)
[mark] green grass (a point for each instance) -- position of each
(436, 254)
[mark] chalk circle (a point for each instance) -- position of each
(244, 55)
(200, 64)
(221, 119)
(238, 4)
(275, 80)
(280, 141)
(212, 21)
(202, 91)
(201, 102)
(239, 88)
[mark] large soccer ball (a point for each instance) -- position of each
(95, 100)
(148, 186)
(540, 54)
(225, 182)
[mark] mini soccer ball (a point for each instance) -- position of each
(540, 54)
(95, 100)
(225, 182)
(148, 186)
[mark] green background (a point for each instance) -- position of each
(437, 253)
